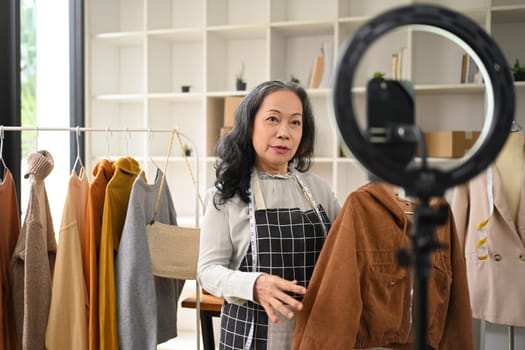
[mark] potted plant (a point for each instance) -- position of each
(518, 71)
(187, 150)
(239, 79)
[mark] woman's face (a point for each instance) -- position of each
(277, 131)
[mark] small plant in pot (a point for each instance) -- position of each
(187, 150)
(518, 71)
(239, 79)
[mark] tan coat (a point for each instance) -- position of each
(67, 324)
(496, 285)
(359, 296)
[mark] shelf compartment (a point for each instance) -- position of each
(115, 115)
(502, 3)
(175, 59)
(184, 115)
(350, 175)
(508, 24)
(445, 54)
(236, 12)
(378, 57)
(115, 16)
(214, 123)
(324, 170)
(182, 189)
(116, 69)
(369, 8)
(323, 125)
(302, 10)
(170, 14)
(294, 53)
(462, 6)
(226, 55)
(508, 14)
(449, 111)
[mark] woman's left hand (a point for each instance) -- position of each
(270, 292)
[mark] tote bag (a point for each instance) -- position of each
(174, 250)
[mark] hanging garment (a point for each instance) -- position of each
(285, 242)
(34, 258)
(359, 296)
(115, 207)
(9, 233)
(67, 323)
(147, 305)
(102, 173)
(496, 284)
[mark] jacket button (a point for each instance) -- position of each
(522, 256)
(497, 257)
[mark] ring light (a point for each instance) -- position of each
(493, 67)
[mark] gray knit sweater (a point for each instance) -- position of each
(146, 305)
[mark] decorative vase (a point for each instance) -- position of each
(519, 76)
(241, 85)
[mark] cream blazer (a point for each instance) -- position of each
(496, 285)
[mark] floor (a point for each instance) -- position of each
(186, 340)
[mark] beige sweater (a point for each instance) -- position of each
(34, 257)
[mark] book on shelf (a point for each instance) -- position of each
(400, 64)
(328, 59)
(395, 62)
(464, 64)
(469, 70)
(317, 72)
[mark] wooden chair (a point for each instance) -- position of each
(210, 306)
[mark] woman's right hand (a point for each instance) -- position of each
(270, 292)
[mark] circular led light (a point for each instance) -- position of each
(493, 67)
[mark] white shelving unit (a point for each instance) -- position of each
(140, 52)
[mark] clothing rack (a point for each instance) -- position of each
(79, 129)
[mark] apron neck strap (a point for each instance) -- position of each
(259, 198)
(257, 192)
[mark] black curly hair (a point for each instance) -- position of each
(235, 152)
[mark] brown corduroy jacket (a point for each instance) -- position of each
(359, 296)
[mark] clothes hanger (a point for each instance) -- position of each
(3, 166)
(78, 160)
(149, 157)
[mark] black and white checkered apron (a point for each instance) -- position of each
(287, 244)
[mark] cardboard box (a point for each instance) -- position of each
(230, 106)
(225, 130)
(449, 144)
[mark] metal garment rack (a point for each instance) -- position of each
(79, 129)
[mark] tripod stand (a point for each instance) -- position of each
(423, 241)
